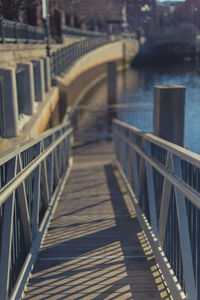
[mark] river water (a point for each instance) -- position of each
(135, 86)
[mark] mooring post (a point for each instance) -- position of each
(169, 113)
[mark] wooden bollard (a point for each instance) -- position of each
(169, 113)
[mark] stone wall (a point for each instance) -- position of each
(11, 54)
(81, 78)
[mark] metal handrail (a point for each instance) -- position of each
(15, 32)
(70, 31)
(63, 58)
(163, 182)
(31, 178)
(181, 152)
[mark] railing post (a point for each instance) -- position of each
(169, 113)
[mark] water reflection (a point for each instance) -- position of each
(136, 86)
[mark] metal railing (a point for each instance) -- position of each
(2, 109)
(15, 32)
(66, 56)
(139, 115)
(96, 120)
(129, 36)
(31, 177)
(163, 181)
(74, 32)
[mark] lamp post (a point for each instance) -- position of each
(124, 18)
(146, 18)
(46, 24)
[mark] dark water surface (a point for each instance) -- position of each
(136, 86)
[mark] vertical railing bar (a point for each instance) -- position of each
(141, 180)
(51, 168)
(36, 196)
(44, 178)
(151, 190)
(135, 169)
(56, 165)
(164, 207)
(23, 207)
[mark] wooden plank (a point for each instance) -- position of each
(91, 248)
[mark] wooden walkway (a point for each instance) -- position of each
(92, 249)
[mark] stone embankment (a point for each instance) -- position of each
(12, 54)
(69, 89)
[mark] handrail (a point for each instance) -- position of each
(189, 192)
(12, 152)
(163, 182)
(14, 32)
(183, 153)
(31, 178)
(13, 184)
(66, 30)
(63, 58)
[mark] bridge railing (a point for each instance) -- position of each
(14, 32)
(163, 181)
(31, 178)
(74, 32)
(63, 58)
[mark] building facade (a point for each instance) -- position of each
(103, 15)
(141, 14)
(188, 12)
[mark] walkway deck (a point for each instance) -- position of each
(92, 250)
